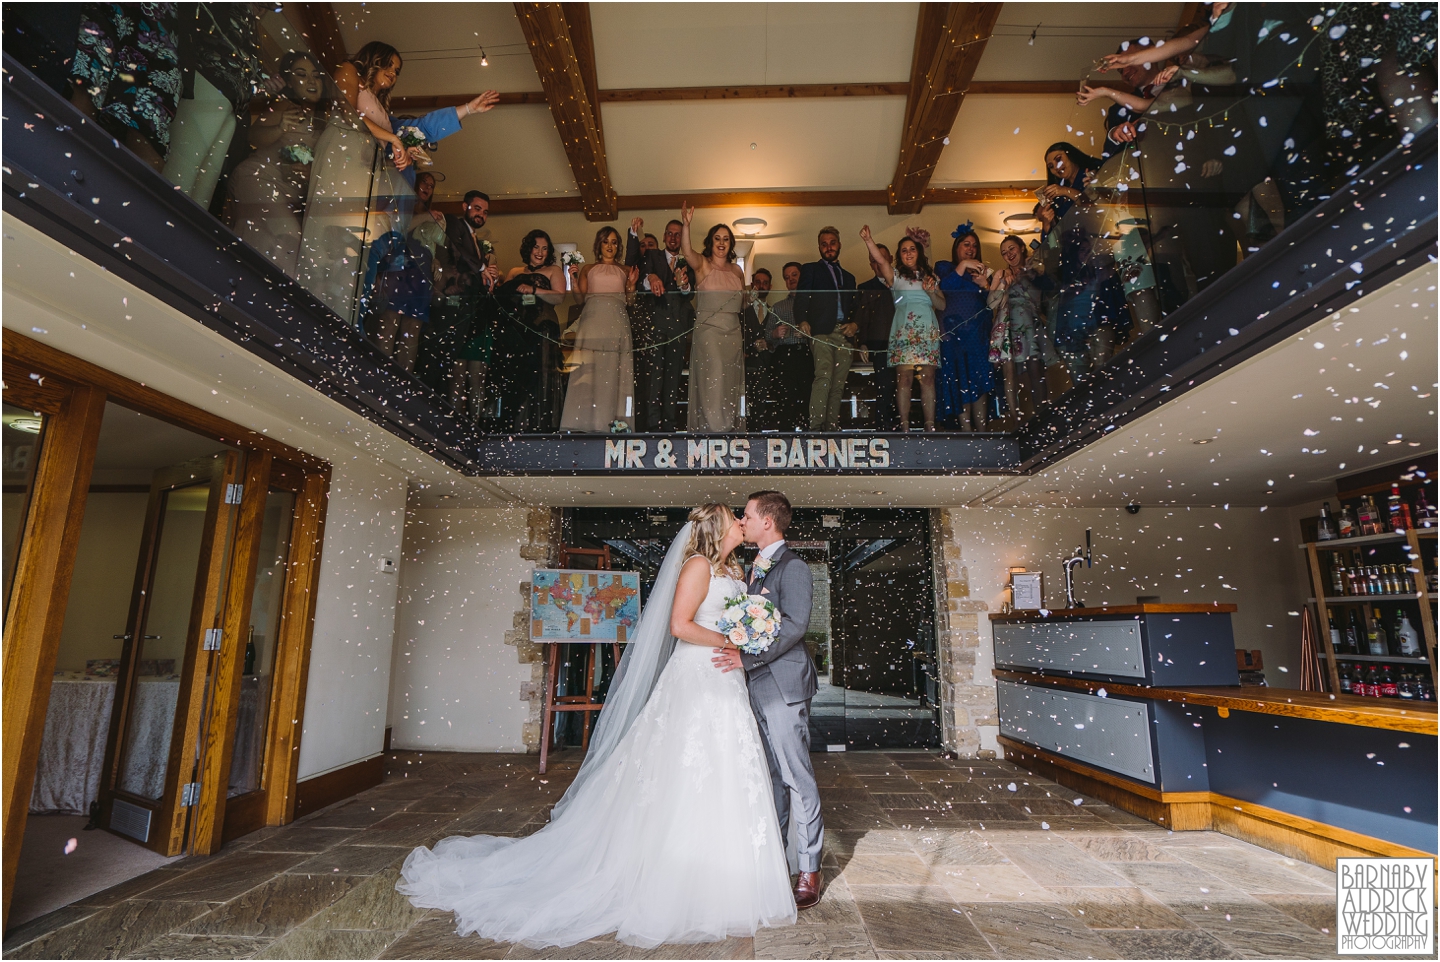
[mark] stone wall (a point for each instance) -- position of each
(543, 540)
(968, 701)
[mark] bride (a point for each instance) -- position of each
(668, 833)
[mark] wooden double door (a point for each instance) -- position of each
(202, 743)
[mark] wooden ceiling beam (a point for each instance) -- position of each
(774, 92)
(949, 41)
(560, 43)
(755, 198)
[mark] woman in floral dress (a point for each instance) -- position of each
(1016, 300)
(914, 334)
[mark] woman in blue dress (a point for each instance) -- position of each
(966, 378)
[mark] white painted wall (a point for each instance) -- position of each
(456, 684)
(354, 618)
(1242, 556)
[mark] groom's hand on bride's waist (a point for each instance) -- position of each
(727, 659)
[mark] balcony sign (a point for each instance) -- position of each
(675, 454)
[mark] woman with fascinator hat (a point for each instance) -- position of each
(966, 377)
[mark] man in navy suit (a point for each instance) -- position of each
(823, 305)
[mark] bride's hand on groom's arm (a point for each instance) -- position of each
(727, 659)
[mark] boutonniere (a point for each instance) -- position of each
(763, 565)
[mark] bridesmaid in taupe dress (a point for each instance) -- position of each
(601, 395)
(717, 351)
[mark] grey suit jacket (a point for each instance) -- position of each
(788, 586)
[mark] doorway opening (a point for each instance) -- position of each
(872, 621)
(159, 567)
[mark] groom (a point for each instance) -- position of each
(782, 682)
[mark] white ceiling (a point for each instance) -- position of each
(697, 146)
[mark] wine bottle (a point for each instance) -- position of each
(1408, 639)
(1325, 526)
(1337, 641)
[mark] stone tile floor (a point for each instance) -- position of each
(926, 858)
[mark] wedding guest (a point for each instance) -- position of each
(792, 368)
(1016, 300)
(366, 81)
(601, 395)
(965, 377)
(398, 285)
(822, 309)
(717, 349)
(221, 71)
(271, 186)
(133, 96)
(914, 346)
(456, 344)
(665, 303)
(1091, 315)
(757, 351)
(649, 243)
(874, 315)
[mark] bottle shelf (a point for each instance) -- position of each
(1386, 659)
(1389, 537)
(1361, 599)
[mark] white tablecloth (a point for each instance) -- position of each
(72, 753)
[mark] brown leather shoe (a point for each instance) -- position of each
(808, 889)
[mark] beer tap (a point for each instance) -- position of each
(1070, 564)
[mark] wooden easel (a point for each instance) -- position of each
(582, 703)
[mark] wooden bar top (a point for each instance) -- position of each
(1418, 718)
(1060, 614)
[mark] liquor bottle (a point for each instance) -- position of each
(1424, 513)
(1347, 522)
(1388, 688)
(1393, 504)
(1372, 580)
(1364, 519)
(1407, 638)
(1337, 575)
(1347, 686)
(1375, 635)
(1354, 635)
(1325, 526)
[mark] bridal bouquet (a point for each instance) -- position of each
(414, 141)
(750, 623)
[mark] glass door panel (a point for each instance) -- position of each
(266, 610)
(21, 447)
(159, 650)
(161, 698)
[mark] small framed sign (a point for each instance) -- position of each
(1028, 590)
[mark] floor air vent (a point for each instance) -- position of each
(131, 820)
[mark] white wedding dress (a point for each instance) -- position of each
(669, 836)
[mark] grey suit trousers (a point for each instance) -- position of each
(785, 731)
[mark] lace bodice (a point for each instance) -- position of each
(712, 609)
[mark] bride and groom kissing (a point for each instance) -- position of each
(675, 827)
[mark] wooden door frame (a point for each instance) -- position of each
(44, 564)
(274, 802)
(73, 394)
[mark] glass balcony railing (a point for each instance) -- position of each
(1218, 140)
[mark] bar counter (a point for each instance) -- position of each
(1307, 774)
